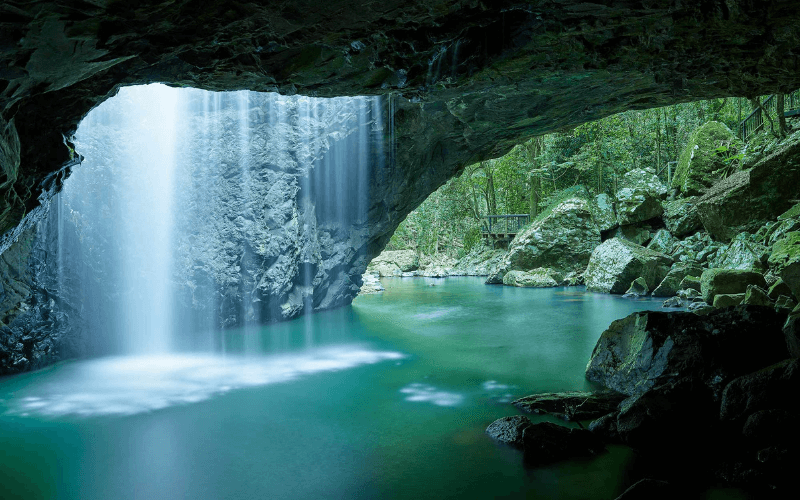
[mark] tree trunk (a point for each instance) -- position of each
(535, 184)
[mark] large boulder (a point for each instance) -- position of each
(636, 233)
(680, 216)
(702, 160)
(562, 239)
(617, 262)
(394, 262)
(540, 277)
(728, 281)
(747, 199)
(640, 197)
(649, 349)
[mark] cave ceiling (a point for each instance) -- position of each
(470, 78)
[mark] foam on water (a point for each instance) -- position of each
(137, 384)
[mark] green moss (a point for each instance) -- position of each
(785, 251)
(791, 213)
(700, 163)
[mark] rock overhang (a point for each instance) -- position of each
(470, 79)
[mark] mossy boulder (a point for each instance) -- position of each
(662, 242)
(748, 199)
(563, 239)
(701, 163)
(640, 197)
(617, 262)
(638, 288)
(603, 210)
(715, 282)
(744, 252)
(680, 216)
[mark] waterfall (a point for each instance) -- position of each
(197, 217)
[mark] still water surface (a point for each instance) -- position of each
(387, 398)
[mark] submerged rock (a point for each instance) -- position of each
(617, 262)
(571, 405)
(544, 443)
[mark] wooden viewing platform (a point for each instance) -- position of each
(502, 227)
(755, 120)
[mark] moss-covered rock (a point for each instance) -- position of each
(680, 216)
(715, 282)
(640, 197)
(744, 252)
(617, 262)
(638, 288)
(756, 296)
(604, 214)
(701, 163)
(674, 280)
(690, 282)
(746, 200)
(563, 239)
(662, 242)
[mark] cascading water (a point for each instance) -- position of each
(198, 216)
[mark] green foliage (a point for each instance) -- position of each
(591, 158)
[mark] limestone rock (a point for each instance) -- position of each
(674, 279)
(662, 242)
(370, 284)
(571, 405)
(544, 442)
(648, 349)
(640, 198)
(540, 278)
(480, 261)
(728, 281)
(673, 302)
(638, 288)
(680, 216)
(563, 240)
(701, 163)
(617, 262)
(636, 233)
(394, 262)
(604, 215)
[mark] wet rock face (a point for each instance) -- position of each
(617, 262)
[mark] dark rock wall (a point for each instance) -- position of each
(470, 79)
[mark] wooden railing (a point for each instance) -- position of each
(503, 226)
(755, 120)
